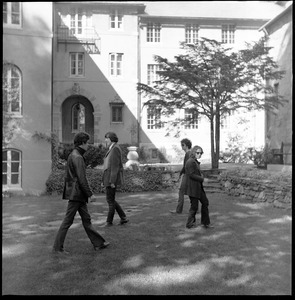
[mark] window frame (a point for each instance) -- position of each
(9, 16)
(73, 117)
(10, 68)
(116, 65)
(191, 33)
(9, 171)
(118, 24)
(153, 33)
(77, 75)
(228, 33)
(118, 108)
(153, 118)
(191, 113)
(152, 75)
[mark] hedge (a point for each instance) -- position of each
(135, 181)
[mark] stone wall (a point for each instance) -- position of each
(278, 194)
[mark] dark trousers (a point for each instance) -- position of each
(114, 206)
(73, 206)
(205, 220)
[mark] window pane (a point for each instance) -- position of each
(4, 155)
(15, 167)
(14, 178)
(15, 19)
(4, 167)
(15, 7)
(15, 156)
(4, 179)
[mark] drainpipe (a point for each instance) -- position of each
(52, 56)
(139, 80)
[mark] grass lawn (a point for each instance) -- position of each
(247, 253)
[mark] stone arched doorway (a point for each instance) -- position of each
(77, 115)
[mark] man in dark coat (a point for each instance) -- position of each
(77, 191)
(186, 146)
(113, 177)
(195, 189)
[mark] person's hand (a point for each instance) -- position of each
(113, 185)
(102, 185)
(206, 180)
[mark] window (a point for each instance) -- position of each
(117, 116)
(153, 118)
(152, 73)
(154, 153)
(78, 117)
(116, 20)
(11, 168)
(116, 60)
(12, 14)
(77, 64)
(78, 21)
(191, 118)
(153, 32)
(11, 87)
(225, 121)
(191, 33)
(228, 34)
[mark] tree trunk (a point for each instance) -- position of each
(213, 156)
(217, 137)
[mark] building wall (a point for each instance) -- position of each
(172, 33)
(279, 126)
(97, 85)
(30, 48)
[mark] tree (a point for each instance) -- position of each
(214, 81)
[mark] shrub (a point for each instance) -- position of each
(258, 174)
(135, 181)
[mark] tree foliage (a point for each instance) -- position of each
(214, 81)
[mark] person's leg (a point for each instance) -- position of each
(65, 225)
(96, 239)
(110, 196)
(205, 220)
(192, 212)
(180, 203)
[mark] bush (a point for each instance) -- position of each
(258, 174)
(135, 181)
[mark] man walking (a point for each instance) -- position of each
(113, 177)
(195, 189)
(77, 191)
(186, 145)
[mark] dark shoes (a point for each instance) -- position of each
(108, 224)
(104, 245)
(124, 221)
(209, 226)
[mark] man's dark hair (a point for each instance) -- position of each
(112, 136)
(81, 138)
(187, 142)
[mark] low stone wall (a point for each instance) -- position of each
(278, 194)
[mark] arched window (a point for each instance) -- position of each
(11, 168)
(11, 87)
(78, 117)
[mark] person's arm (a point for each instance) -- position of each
(190, 170)
(114, 163)
(80, 169)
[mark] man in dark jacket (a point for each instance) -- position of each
(195, 189)
(77, 191)
(186, 145)
(113, 177)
